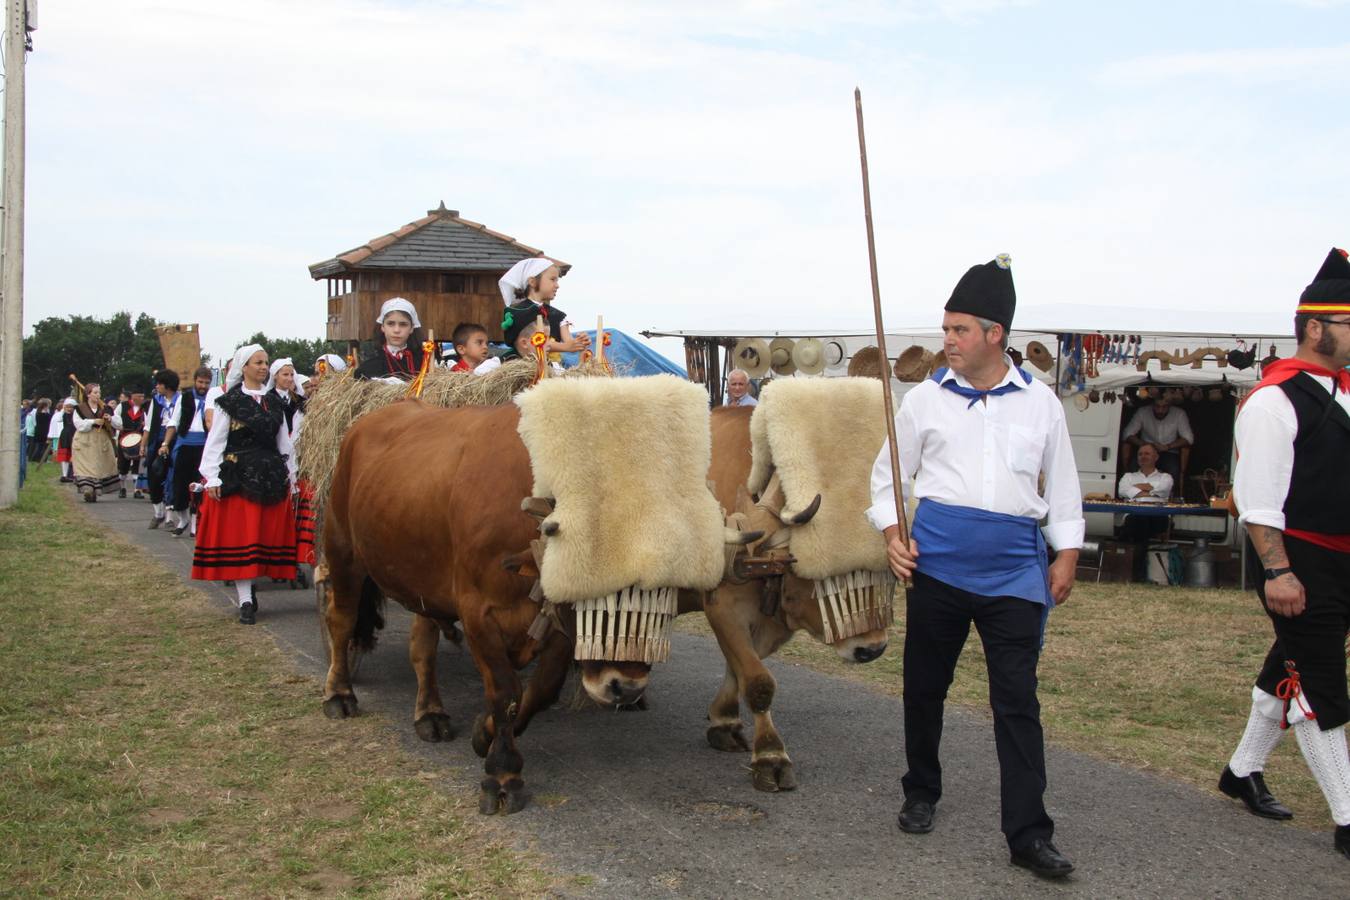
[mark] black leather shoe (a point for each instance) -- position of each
(916, 817)
(247, 614)
(155, 523)
(1042, 858)
(1343, 840)
(178, 532)
(1253, 792)
(121, 493)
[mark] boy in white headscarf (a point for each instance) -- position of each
(398, 333)
(528, 289)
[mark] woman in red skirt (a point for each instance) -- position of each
(246, 529)
(283, 386)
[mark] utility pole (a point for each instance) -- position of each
(11, 280)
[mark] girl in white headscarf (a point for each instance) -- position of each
(528, 289)
(399, 336)
(246, 529)
(284, 386)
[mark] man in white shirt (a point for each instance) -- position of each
(1293, 496)
(976, 437)
(1150, 482)
(738, 389)
(1166, 427)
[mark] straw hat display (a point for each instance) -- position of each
(1039, 357)
(752, 355)
(835, 355)
(866, 363)
(780, 356)
(914, 364)
(808, 355)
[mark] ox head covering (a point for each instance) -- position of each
(517, 278)
(333, 362)
(987, 292)
(1329, 292)
(277, 366)
(241, 356)
(398, 304)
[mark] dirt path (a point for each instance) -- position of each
(640, 806)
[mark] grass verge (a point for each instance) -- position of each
(149, 746)
(1154, 678)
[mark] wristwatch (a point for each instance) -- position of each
(1272, 574)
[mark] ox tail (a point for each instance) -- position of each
(369, 616)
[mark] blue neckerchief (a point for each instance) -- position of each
(974, 394)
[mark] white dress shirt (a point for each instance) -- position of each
(1153, 430)
(214, 452)
(746, 400)
(987, 456)
(1160, 481)
(1266, 426)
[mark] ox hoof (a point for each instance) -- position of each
(729, 737)
(507, 799)
(341, 706)
(480, 739)
(772, 775)
(434, 728)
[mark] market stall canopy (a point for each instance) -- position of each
(629, 356)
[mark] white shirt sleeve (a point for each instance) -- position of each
(287, 449)
(214, 452)
(117, 417)
(1184, 427)
(1136, 423)
(488, 365)
(1064, 524)
(83, 424)
(882, 511)
(54, 428)
(1265, 433)
(1126, 490)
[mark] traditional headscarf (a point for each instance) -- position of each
(517, 278)
(241, 356)
(277, 366)
(334, 362)
(398, 304)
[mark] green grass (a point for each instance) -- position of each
(150, 746)
(1154, 678)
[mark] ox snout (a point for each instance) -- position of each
(863, 648)
(615, 683)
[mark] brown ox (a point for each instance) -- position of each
(425, 509)
(752, 619)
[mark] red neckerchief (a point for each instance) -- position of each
(136, 412)
(395, 361)
(1278, 372)
(461, 366)
(1281, 370)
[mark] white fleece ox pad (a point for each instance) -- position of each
(821, 436)
(627, 460)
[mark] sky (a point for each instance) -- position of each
(696, 162)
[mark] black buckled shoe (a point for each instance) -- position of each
(121, 493)
(247, 614)
(916, 817)
(1342, 840)
(1253, 792)
(1043, 859)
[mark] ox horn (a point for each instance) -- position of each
(802, 517)
(741, 538)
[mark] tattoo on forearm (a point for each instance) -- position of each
(1269, 544)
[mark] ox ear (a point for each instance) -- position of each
(521, 563)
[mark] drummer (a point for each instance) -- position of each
(129, 420)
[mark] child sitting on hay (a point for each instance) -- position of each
(534, 281)
(471, 345)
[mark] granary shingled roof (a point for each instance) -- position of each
(439, 240)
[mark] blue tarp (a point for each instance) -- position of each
(629, 356)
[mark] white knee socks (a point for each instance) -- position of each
(1326, 754)
(1261, 737)
(245, 589)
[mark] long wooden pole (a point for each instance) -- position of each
(896, 473)
(11, 280)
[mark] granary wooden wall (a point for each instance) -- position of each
(443, 300)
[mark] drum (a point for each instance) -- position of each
(129, 445)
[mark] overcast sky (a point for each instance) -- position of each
(695, 161)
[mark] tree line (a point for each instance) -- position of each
(118, 352)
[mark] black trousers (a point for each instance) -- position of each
(185, 473)
(1313, 641)
(937, 623)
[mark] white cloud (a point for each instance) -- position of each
(1304, 64)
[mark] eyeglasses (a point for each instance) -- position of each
(1332, 321)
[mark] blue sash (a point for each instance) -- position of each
(986, 553)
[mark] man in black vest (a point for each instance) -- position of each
(1293, 437)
